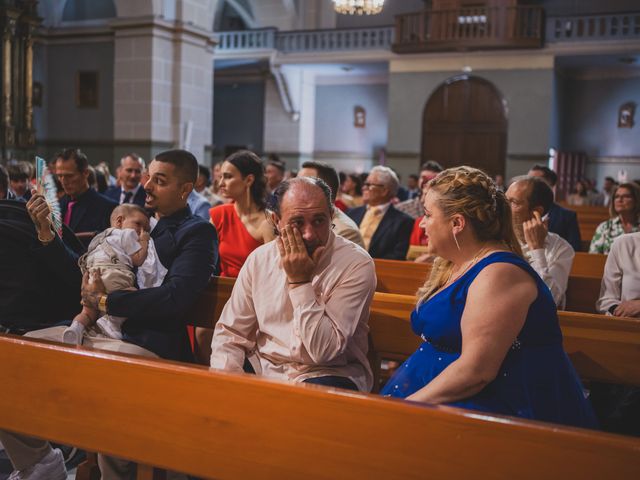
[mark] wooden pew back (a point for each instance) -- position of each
(588, 265)
(215, 425)
(601, 348)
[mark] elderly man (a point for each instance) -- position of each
(385, 230)
(131, 189)
(155, 325)
(83, 209)
(562, 221)
(310, 324)
(343, 225)
(550, 255)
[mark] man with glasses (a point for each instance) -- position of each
(413, 207)
(385, 230)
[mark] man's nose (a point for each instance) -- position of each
(307, 232)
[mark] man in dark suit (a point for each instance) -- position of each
(84, 210)
(188, 247)
(561, 221)
(130, 189)
(385, 230)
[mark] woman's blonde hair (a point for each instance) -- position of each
(472, 193)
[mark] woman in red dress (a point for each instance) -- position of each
(242, 225)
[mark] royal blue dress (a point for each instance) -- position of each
(536, 380)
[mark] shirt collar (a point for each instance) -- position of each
(382, 208)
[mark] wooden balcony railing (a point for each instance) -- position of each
(619, 26)
(469, 29)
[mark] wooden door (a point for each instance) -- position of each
(465, 123)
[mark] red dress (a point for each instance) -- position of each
(234, 241)
(417, 235)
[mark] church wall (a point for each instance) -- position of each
(529, 99)
(238, 116)
(337, 140)
(590, 124)
(60, 122)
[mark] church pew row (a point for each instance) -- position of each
(405, 278)
(602, 348)
(215, 425)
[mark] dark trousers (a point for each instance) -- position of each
(328, 381)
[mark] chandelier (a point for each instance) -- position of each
(358, 7)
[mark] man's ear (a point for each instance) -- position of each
(186, 189)
(274, 220)
(538, 209)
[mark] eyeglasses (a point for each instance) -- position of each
(369, 185)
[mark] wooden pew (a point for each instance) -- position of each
(215, 425)
(405, 278)
(601, 348)
(588, 264)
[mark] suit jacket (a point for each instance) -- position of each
(565, 223)
(90, 213)
(114, 194)
(156, 317)
(391, 238)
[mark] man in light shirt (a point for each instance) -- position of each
(299, 309)
(550, 255)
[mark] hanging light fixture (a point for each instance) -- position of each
(358, 7)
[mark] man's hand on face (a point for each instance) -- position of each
(297, 263)
(535, 232)
(92, 289)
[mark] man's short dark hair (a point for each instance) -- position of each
(549, 175)
(327, 174)
(283, 188)
(184, 162)
(75, 154)
(205, 172)
(4, 180)
(432, 166)
(19, 171)
(414, 177)
(278, 164)
(540, 193)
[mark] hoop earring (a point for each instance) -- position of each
(455, 239)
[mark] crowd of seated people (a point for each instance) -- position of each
(305, 277)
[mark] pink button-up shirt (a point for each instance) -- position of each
(317, 329)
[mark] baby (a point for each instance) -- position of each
(115, 252)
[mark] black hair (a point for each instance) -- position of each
(278, 164)
(357, 179)
(185, 163)
(19, 171)
(327, 174)
(75, 154)
(205, 172)
(432, 166)
(549, 175)
(248, 163)
(283, 188)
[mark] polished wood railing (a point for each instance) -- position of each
(469, 29)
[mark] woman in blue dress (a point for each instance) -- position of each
(491, 338)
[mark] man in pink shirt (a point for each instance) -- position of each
(300, 306)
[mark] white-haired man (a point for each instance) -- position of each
(385, 230)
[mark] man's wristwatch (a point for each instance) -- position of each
(102, 303)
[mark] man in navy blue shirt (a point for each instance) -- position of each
(188, 247)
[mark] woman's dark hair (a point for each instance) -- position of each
(248, 163)
(357, 179)
(101, 180)
(585, 188)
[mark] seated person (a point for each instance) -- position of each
(620, 290)
(562, 221)
(155, 325)
(548, 253)
(491, 336)
(299, 310)
(624, 211)
(112, 255)
(19, 178)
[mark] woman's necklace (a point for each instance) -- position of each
(449, 281)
